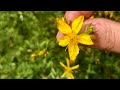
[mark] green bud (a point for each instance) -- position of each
(90, 29)
(93, 37)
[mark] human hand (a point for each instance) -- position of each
(107, 32)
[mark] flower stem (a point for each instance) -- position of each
(89, 66)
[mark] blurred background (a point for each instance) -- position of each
(29, 50)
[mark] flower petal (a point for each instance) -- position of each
(84, 39)
(64, 74)
(63, 65)
(92, 17)
(42, 52)
(68, 63)
(33, 56)
(77, 24)
(62, 26)
(106, 13)
(73, 50)
(70, 76)
(64, 41)
(75, 67)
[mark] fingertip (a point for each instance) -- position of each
(71, 15)
(59, 35)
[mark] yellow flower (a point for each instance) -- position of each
(109, 13)
(106, 14)
(69, 69)
(71, 38)
(33, 56)
(42, 52)
(92, 16)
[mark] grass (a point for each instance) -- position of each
(23, 33)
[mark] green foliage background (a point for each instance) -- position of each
(25, 32)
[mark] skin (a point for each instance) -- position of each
(107, 32)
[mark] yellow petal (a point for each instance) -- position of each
(85, 39)
(64, 41)
(70, 76)
(68, 63)
(64, 74)
(42, 52)
(63, 65)
(77, 24)
(106, 13)
(62, 26)
(73, 50)
(111, 14)
(92, 17)
(75, 67)
(33, 56)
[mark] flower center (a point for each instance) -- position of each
(68, 69)
(73, 38)
(72, 35)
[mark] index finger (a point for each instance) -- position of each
(71, 15)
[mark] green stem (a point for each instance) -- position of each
(89, 66)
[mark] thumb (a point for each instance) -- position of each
(107, 34)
